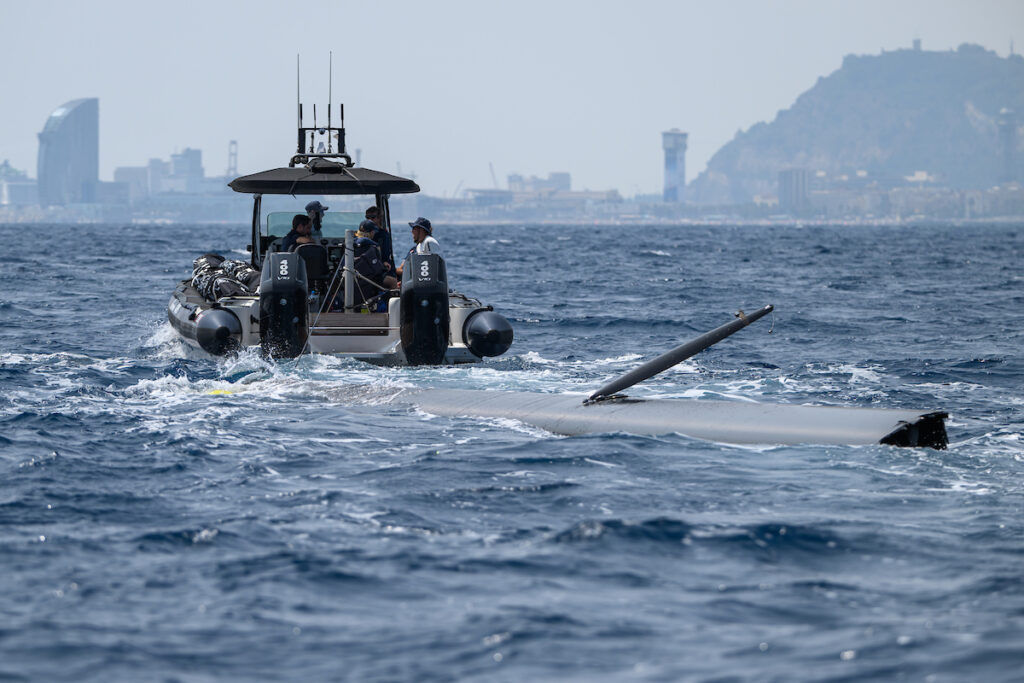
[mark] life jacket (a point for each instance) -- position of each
(368, 264)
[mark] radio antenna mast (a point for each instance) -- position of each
(330, 85)
(310, 140)
(298, 102)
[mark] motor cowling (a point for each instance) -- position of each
(284, 305)
(218, 331)
(487, 333)
(425, 319)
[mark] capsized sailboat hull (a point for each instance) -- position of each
(721, 421)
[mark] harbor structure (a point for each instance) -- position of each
(69, 154)
(674, 143)
(555, 182)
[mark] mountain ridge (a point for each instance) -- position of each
(890, 115)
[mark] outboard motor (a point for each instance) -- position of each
(284, 305)
(425, 318)
(218, 331)
(487, 333)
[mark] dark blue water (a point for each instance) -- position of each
(167, 516)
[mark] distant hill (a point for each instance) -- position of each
(890, 115)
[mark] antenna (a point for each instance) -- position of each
(330, 87)
(298, 102)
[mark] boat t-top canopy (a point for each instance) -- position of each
(323, 177)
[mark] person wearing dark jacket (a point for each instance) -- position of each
(372, 277)
(300, 234)
(374, 224)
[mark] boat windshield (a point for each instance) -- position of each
(334, 224)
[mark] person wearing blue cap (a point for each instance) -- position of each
(374, 226)
(423, 236)
(315, 210)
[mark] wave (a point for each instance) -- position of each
(769, 541)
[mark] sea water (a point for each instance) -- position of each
(165, 515)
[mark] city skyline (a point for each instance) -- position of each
(444, 93)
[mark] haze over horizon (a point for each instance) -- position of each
(445, 90)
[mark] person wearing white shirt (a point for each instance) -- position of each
(422, 235)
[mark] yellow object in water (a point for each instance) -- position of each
(220, 392)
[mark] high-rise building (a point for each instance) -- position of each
(793, 191)
(69, 154)
(1007, 146)
(674, 144)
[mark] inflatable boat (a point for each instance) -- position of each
(316, 299)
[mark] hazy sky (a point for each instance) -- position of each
(443, 87)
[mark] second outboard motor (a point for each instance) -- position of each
(284, 305)
(218, 331)
(425, 317)
(487, 333)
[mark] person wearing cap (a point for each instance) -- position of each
(300, 234)
(373, 277)
(423, 236)
(374, 224)
(371, 232)
(315, 210)
(366, 243)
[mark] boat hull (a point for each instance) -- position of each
(370, 337)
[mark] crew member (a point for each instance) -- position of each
(423, 236)
(369, 265)
(300, 233)
(374, 224)
(315, 210)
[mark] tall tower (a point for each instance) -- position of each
(232, 159)
(1007, 145)
(674, 144)
(69, 154)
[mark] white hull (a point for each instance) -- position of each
(719, 421)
